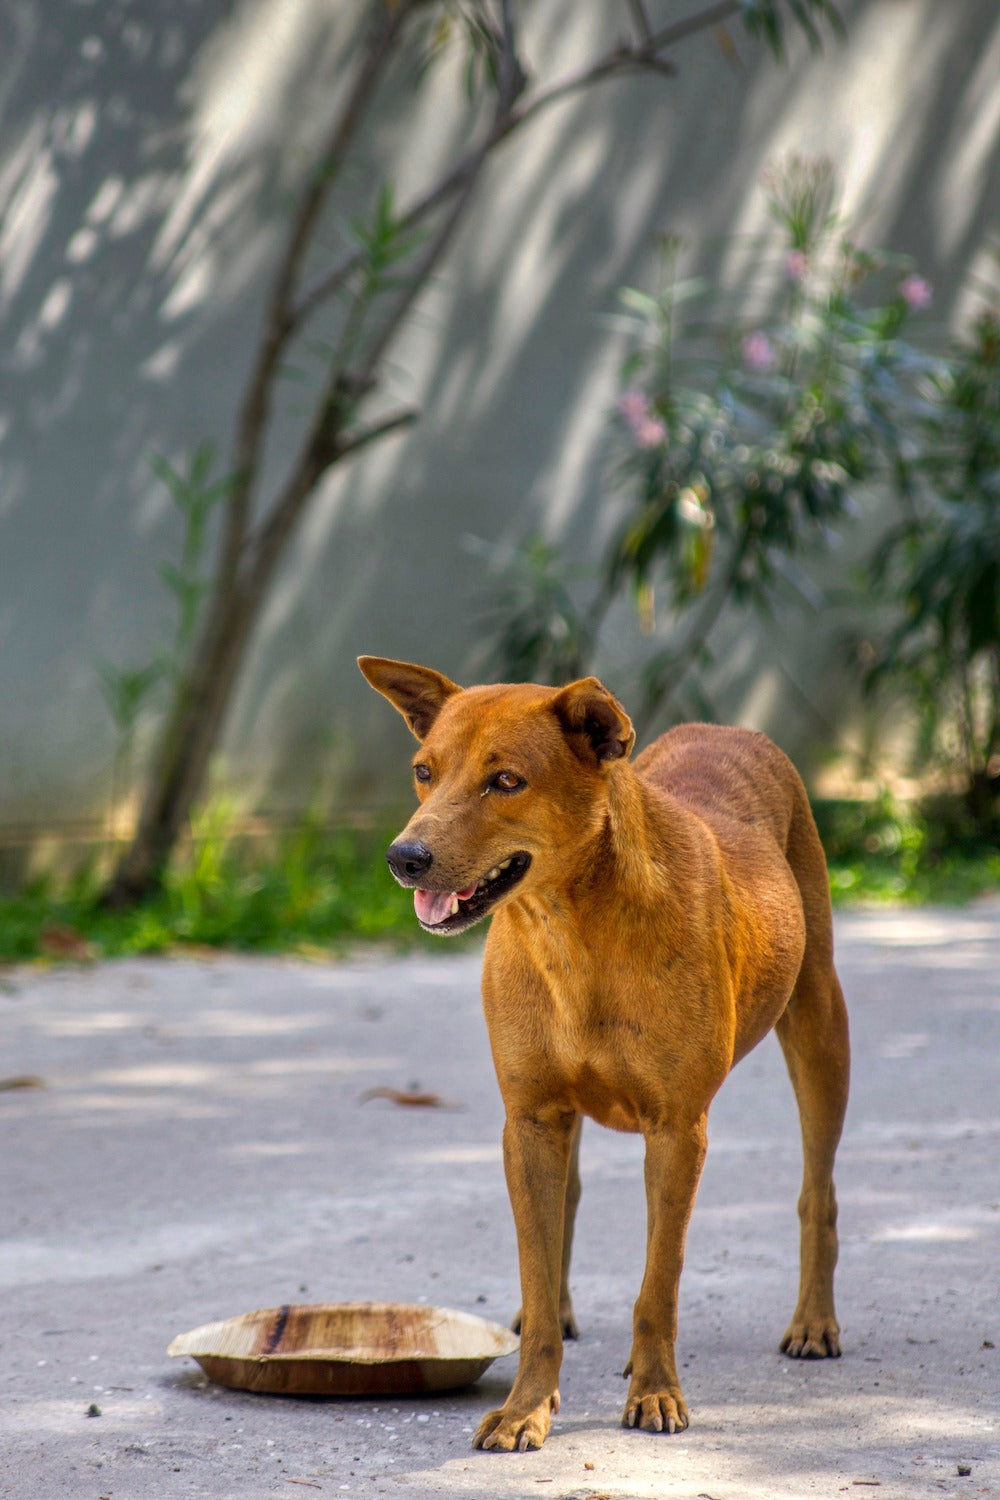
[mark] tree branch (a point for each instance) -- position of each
(353, 441)
(323, 446)
(280, 322)
(618, 60)
(701, 20)
(421, 272)
(326, 444)
(641, 20)
(511, 81)
(511, 77)
(325, 450)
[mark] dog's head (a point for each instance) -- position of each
(511, 778)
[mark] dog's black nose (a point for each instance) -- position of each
(408, 861)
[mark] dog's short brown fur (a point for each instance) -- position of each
(651, 923)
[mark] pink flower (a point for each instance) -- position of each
(796, 265)
(758, 352)
(916, 292)
(646, 428)
(634, 406)
(650, 433)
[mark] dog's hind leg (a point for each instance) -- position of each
(566, 1318)
(813, 1033)
(570, 1328)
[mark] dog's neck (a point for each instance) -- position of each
(631, 849)
(624, 850)
(626, 835)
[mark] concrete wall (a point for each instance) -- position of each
(147, 149)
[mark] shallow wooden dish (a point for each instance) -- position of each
(347, 1349)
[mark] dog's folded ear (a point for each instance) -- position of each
(418, 692)
(594, 721)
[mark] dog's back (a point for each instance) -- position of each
(733, 778)
(753, 799)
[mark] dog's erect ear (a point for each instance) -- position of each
(594, 720)
(418, 692)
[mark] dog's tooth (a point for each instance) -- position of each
(505, 864)
(494, 873)
(454, 907)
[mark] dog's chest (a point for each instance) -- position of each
(605, 1060)
(604, 1079)
(603, 1023)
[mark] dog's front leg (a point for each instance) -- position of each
(567, 1318)
(536, 1153)
(674, 1159)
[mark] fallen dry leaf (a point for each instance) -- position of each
(410, 1098)
(62, 942)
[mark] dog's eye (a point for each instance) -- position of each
(507, 781)
(422, 772)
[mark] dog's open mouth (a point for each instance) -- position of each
(446, 912)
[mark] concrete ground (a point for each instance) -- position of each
(196, 1147)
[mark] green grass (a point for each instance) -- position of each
(950, 881)
(313, 890)
(885, 851)
(317, 891)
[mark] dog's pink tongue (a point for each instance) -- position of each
(433, 907)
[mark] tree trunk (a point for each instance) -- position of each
(185, 747)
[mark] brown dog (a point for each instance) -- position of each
(651, 924)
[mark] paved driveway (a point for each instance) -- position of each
(198, 1148)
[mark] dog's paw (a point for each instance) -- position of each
(659, 1411)
(813, 1339)
(504, 1431)
(568, 1325)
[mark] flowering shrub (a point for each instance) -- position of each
(942, 561)
(648, 430)
(744, 444)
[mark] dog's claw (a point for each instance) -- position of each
(819, 1340)
(503, 1432)
(663, 1411)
